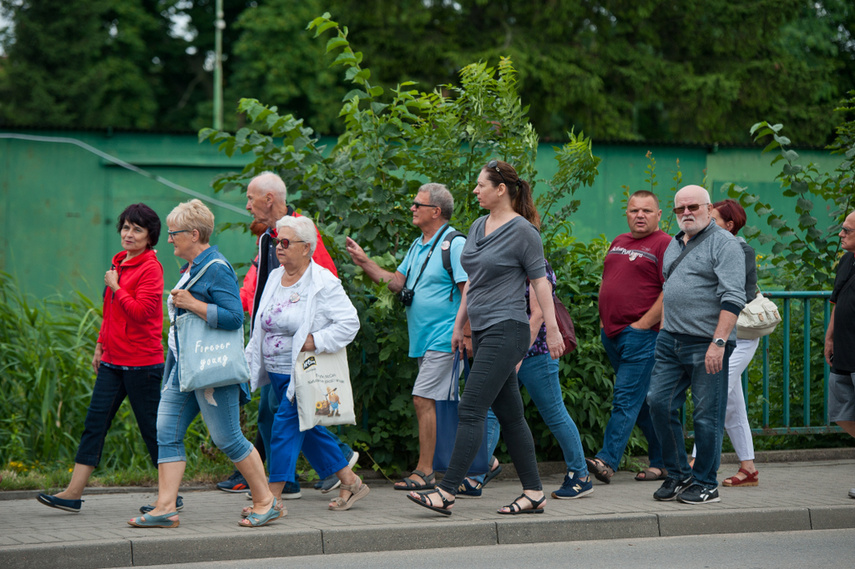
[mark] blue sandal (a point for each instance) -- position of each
(150, 521)
(257, 520)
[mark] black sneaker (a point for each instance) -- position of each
(697, 494)
(670, 488)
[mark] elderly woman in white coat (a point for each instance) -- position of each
(304, 308)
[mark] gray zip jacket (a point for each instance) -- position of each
(711, 278)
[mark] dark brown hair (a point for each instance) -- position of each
(518, 190)
(142, 215)
(730, 210)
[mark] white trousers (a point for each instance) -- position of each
(736, 416)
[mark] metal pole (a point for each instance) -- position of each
(219, 26)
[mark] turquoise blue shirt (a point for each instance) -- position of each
(430, 318)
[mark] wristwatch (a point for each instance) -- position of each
(720, 342)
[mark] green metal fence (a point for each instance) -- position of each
(782, 388)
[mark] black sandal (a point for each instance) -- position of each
(428, 481)
(421, 498)
(514, 507)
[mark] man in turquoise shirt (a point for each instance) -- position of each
(431, 305)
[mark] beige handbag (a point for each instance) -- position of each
(757, 319)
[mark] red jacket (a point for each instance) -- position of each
(132, 331)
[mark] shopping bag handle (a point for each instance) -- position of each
(454, 392)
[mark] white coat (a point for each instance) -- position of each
(330, 317)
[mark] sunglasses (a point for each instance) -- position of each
(417, 205)
(285, 243)
(693, 208)
(494, 165)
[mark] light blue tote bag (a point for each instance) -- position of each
(208, 357)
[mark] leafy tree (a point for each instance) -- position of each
(392, 141)
(77, 64)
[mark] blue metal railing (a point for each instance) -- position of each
(807, 300)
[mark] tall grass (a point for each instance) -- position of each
(46, 351)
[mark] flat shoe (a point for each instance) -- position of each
(410, 484)
(257, 520)
(515, 508)
(751, 479)
(60, 504)
(650, 475)
(357, 492)
(421, 498)
(150, 521)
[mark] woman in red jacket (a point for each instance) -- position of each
(128, 357)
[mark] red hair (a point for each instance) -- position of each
(730, 210)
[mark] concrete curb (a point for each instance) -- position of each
(279, 542)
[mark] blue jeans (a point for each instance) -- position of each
(318, 444)
(220, 408)
(680, 365)
(493, 382)
(631, 354)
(539, 375)
(112, 385)
(268, 404)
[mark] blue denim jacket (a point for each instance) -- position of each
(218, 287)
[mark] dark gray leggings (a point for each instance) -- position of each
(493, 383)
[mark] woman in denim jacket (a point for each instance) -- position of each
(216, 299)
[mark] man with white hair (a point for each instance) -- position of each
(266, 200)
(703, 293)
(840, 336)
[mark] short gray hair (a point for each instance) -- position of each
(440, 196)
(193, 215)
(271, 182)
(303, 227)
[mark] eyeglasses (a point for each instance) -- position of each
(174, 233)
(693, 208)
(417, 205)
(285, 243)
(847, 230)
(494, 165)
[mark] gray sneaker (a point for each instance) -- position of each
(697, 494)
(852, 492)
(670, 488)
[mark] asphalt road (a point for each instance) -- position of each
(773, 550)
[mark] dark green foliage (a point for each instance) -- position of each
(686, 70)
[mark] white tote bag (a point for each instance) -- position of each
(322, 389)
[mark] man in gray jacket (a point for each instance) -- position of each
(704, 291)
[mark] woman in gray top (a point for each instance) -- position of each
(503, 250)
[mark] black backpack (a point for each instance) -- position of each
(446, 258)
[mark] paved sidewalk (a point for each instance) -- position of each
(791, 496)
